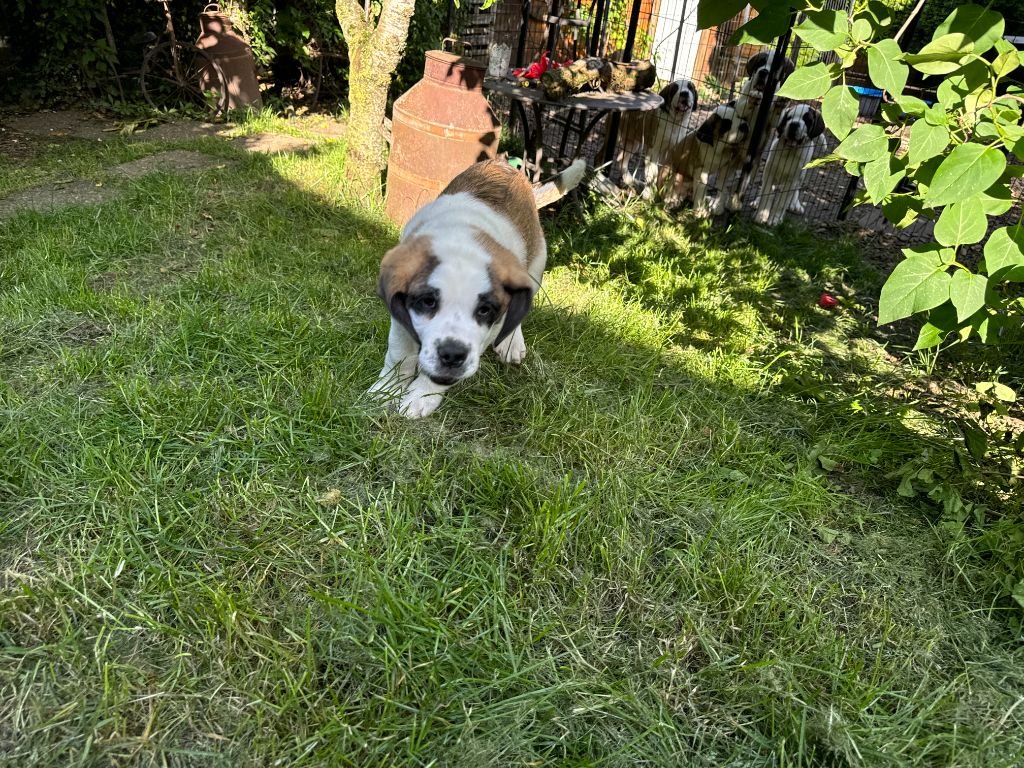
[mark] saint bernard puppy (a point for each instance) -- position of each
(798, 138)
(748, 104)
(461, 279)
(657, 132)
(715, 149)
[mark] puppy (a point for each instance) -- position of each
(752, 92)
(461, 279)
(657, 132)
(715, 149)
(797, 138)
(748, 104)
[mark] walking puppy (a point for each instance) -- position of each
(797, 138)
(461, 279)
(656, 132)
(715, 149)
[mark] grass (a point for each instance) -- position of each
(650, 545)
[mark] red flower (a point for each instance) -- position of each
(827, 302)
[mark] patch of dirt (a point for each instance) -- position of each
(184, 129)
(85, 334)
(174, 160)
(73, 123)
(273, 143)
(59, 195)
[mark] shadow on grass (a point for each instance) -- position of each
(600, 554)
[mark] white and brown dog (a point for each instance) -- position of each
(655, 133)
(752, 92)
(716, 149)
(798, 138)
(461, 279)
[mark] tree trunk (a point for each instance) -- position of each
(375, 49)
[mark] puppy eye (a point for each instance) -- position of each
(424, 304)
(485, 313)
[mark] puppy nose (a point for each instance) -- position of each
(451, 353)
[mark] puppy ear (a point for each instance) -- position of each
(668, 95)
(785, 70)
(755, 62)
(510, 277)
(402, 266)
(815, 125)
(708, 129)
(693, 94)
(781, 126)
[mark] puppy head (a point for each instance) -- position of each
(800, 123)
(679, 97)
(759, 65)
(453, 304)
(725, 125)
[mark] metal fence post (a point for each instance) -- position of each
(627, 56)
(764, 109)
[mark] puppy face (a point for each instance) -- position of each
(760, 65)
(454, 304)
(723, 125)
(800, 123)
(679, 97)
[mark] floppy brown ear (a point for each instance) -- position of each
(508, 275)
(693, 92)
(815, 125)
(400, 267)
(668, 93)
(708, 128)
(755, 62)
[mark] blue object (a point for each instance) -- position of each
(861, 91)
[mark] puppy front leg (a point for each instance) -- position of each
(399, 364)
(422, 397)
(700, 189)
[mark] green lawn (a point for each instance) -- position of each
(651, 545)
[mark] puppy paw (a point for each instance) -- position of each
(512, 349)
(735, 204)
(797, 208)
(386, 390)
(418, 404)
(762, 217)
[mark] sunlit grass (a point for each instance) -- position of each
(655, 543)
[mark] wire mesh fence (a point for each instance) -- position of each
(706, 145)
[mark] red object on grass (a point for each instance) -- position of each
(827, 302)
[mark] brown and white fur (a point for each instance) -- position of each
(748, 104)
(655, 133)
(715, 149)
(461, 279)
(797, 138)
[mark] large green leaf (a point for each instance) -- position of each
(886, 70)
(962, 223)
(881, 176)
(967, 292)
(941, 56)
(711, 14)
(919, 282)
(866, 143)
(902, 210)
(966, 171)
(861, 29)
(912, 105)
(810, 82)
(981, 25)
(1007, 60)
(926, 141)
(823, 30)
(771, 22)
(1004, 254)
(941, 321)
(839, 110)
